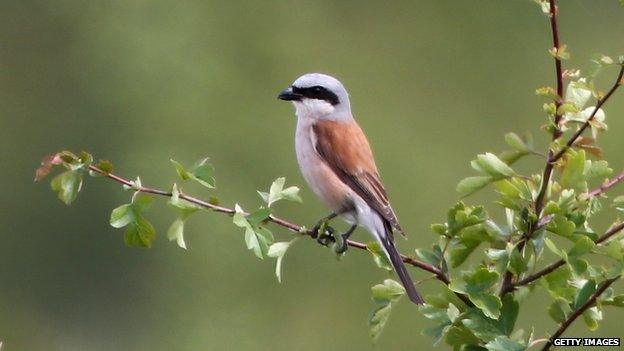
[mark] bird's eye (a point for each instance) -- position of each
(317, 89)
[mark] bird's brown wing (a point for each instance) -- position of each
(343, 146)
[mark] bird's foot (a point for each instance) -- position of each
(322, 226)
(326, 237)
(341, 244)
(342, 241)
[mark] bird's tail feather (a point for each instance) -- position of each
(399, 268)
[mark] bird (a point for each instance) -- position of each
(336, 160)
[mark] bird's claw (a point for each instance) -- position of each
(321, 228)
(327, 237)
(341, 243)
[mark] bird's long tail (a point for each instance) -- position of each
(399, 268)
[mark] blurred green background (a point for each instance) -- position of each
(432, 83)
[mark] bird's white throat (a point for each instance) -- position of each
(320, 109)
(313, 108)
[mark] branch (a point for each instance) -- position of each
(557, 131)
(552, 158)
(507, 283)
(295, 228)
(601, 101)
(606, 185)
(545, 220)
(590, 302)
(553, 266)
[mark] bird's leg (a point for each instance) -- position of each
(323, 232)
(341, 245)
(322, 224)
(326, 237)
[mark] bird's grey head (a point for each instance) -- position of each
(317, 95)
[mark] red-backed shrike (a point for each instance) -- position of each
(337, 162)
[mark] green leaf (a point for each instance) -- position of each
(615, 271)
(500, 256)
(521, 147)
(201, 172)
(460, 336)
(390, 290)
(515, 194)
(452, 312)
(437, 332)
(259, 216)
(598, 61)
(617, 301)
(67, 185)
(277, 192)
(584, 293)
(559, 310)
(461, 216)
(578, 93)
(122, 216)
(567, 107)
(504, 343)
(560, 53)
(385, 296)
(256, 243)
(429, 256)
(548, 92)
(176, 232)
(439, 228)
(509, 314)
(597, 169)
(511, 156)
(491, 165)
(517, 263)
(105, 166)
(560, 225)
(470, 185)
(483, 327)
(516, 142)
(141, 233)
(466, 242)
(618, 203)
(554, 249)
(181, 170)
(460, 251)
(558, 283)
(437, 310)
(573, 175)
(134, 185)
(265, 238)
(544, 6)
(185, 209)
(141, 201)
(614, 250)
(380, 258)
(550, 108)
(478, 286)
(582, 246)
(595, 66)
(591, 317)
(579, 265)
(278, 250)
(257, 238)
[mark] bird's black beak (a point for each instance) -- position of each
(288, 95)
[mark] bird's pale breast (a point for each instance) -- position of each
(321, 179)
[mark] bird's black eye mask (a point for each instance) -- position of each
(317, 92)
